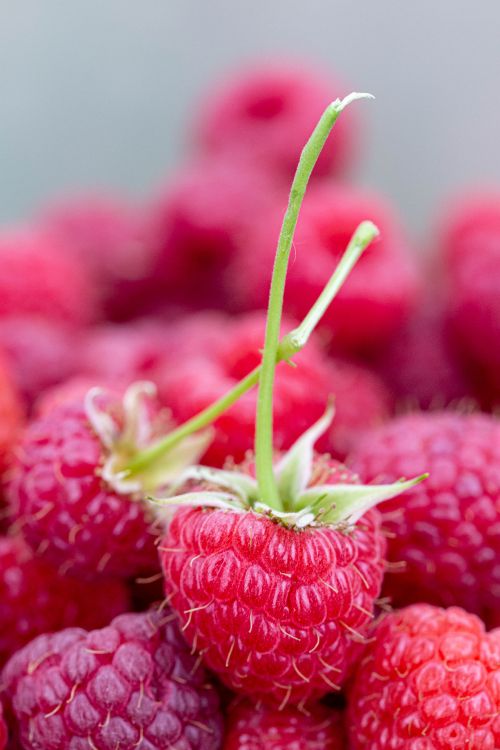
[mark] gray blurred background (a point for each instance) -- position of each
(97, 93)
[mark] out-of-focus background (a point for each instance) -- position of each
(96, 93)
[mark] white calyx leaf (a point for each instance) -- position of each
(294, 470)
(209, 499)
(103, 424)
(346, 503)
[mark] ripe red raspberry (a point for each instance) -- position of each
(430, 679)
(132, 685)
(447, 529)
(11, 415)
(377, 296)
(277, 612)
(35, 599)
(198, 224)
(421, 366)
(40, 352)
(39, 278)
(251, 728)
(106, 235)
(3, 730)
(268, 111)
(67, 509)
(299, 398)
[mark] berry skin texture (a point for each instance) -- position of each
(429, 681)
(300, 392)
(250, 728)
(378, 295)
(39, 278)
(3, 730)
(35, 599)
(268, 112)
(80, 524)
(447, 529)
(11, 415)
(130, 686)
(277, 613)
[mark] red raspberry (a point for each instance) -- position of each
(35, 599)
(40, 353)
(11, 415)
(251, 728)
(299, 398)
(429, 680)
(40, 278)
(268, 112)
(199, 223)
(277, 612)
(132, 685)
(66, 508)
(447, 529)
(3, 730)
(421, 366)
(106, 235)
(379, 292)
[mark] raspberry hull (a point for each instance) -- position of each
(277, 613)
(132, 685)
(429, 680)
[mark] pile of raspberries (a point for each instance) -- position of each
(122, 628)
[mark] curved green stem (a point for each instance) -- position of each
(266, 480)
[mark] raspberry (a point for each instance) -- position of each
(250, 728)
(39, 278)
(35, 599)
(132, 685)
(68, 510)
(198, 224)
(446, 530)
(268, 111)
(378, 295)
(106, 235)
(276, 612)
(428, 680)
(3, 730)
(300, 393)
(11, 415)
(421, 366)
(40, 353)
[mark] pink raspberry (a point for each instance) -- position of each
(445, 531)
(268, 112)
(300, 393)
(277, 612)
(251, 727)
(35, 598)
(199, 223)
(107, 236)
(132, 685)
(68, 509)
(39, 278)
(380, 291)
(429, 679)
(11, 415)
(3, 730)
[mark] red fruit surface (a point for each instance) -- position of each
(40, 278)
(132, 685)
(106, 235)
(11, 415)
(446, 530)
(277, 613)
(300, 394)
(268, 111)
(421, 366)
(35, 598)
(379, 293)
(199, 223)
(429, 680)
(249, 727)
(3, 730)
(67, 510)
(40, 353)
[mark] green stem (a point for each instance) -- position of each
(290, 344)
(268, 488)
